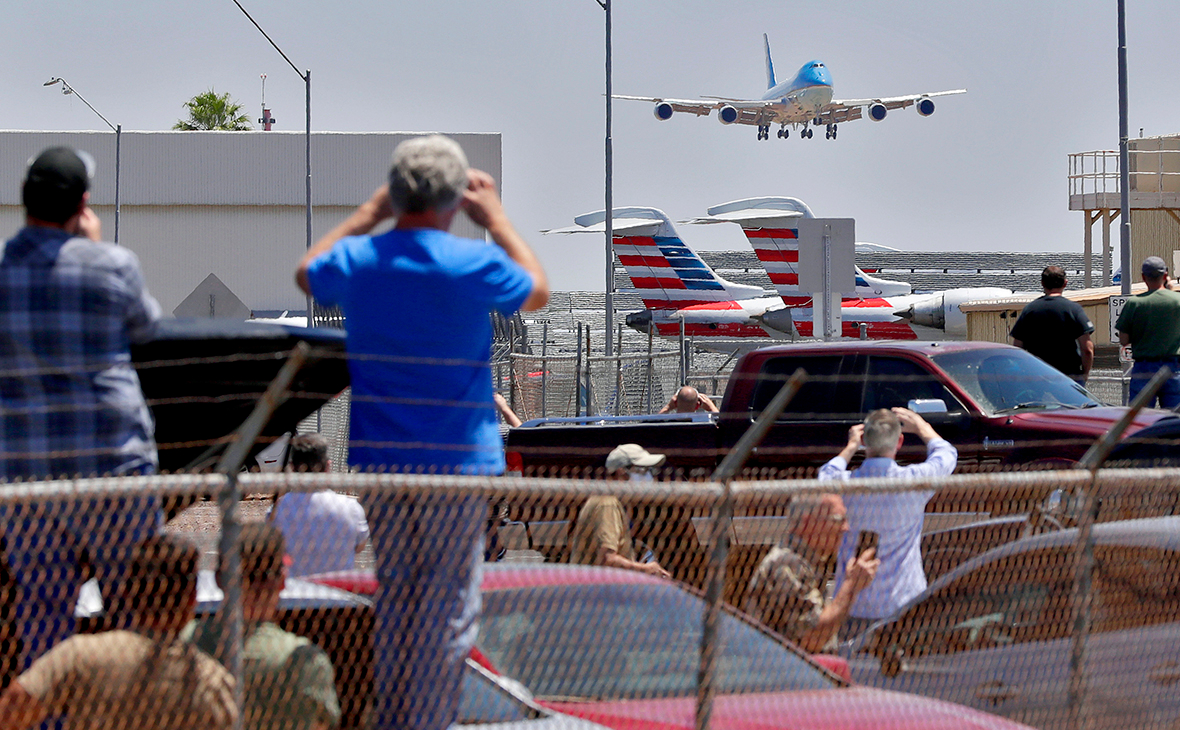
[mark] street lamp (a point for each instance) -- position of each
(610, 211)
(118, 129)
(306, 76)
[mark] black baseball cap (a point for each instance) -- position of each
(55, 181)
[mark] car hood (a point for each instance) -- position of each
(854, 707)
(1086, 420)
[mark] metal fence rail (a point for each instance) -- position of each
(1075, 626)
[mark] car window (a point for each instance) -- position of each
(893, 381)
(1008, 379)
(482, 701)
(830, 391)
(1136, 586)
(1003, 603)
(629, 642)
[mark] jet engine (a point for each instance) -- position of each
(727, 114)
(941, 310)
(877, 111)
(925, 106)
(663, 111)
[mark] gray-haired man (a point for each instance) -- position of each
(417, 300)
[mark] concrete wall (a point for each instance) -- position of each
(226, 203)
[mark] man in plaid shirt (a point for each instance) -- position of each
(70, 401)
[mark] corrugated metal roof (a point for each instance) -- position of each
(230, 168)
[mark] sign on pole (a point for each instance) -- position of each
(1116, 308)
(827, 269)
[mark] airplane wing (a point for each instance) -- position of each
(846, 110)
(745, 111)
(700, 107)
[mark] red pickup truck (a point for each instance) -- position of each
(1000, 406)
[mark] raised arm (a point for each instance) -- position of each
(482, 205)
(364, 219)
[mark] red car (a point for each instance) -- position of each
(621, 649)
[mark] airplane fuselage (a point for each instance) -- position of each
(809, 91)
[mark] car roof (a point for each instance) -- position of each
(927, 348)
(1151, 532)
(509, 576)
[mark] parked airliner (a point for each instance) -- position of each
(805, 98)
(679, 289)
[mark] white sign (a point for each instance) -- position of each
(1116, 308)
(841, 238)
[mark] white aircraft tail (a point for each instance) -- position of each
(770, 83)
(665, 272)
(770, 225)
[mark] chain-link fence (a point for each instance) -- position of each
(1049, 598)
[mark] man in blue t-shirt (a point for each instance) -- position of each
(417, 302)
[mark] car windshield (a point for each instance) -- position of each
(1006, 380)
(618, 642)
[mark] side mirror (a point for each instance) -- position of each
(834, 664)
(927, 405)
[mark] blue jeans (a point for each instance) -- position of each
(47, 542)
(1143, 371)
(429, 556)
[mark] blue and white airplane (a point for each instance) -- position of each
(804, 99)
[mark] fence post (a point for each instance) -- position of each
(650, 363)
(618, 369)
(683, 355)
(578, 376)
(589, 372)
(229, 546)
(1082, 599)
(511, 365)
(544, 369)
(719, 546)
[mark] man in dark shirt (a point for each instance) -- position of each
(1056, 329)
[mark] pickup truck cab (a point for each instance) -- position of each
(999, 405)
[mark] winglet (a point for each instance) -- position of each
(769, 63)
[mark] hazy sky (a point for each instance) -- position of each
(986, 172)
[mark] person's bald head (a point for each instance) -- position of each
(687, 399)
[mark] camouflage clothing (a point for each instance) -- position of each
(787, 592)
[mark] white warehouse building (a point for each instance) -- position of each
(230, 204)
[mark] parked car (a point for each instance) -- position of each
(621, 648)
(339, 622)
(998, 404)
(996, 633)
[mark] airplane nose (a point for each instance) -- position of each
(640, 321)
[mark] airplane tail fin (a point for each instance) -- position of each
(665, 272)
(769, 64)
(771, 227)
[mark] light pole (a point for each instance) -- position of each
(306, 76)
(118, 129)
(610, 211)
(1124, 165)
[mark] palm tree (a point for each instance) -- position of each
(210, 110)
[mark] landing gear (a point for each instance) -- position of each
(763, 131)
(806, 133)
(783, 132)
(831, 133)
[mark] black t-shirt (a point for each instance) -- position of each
(1049, 328)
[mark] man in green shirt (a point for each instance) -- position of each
(1150, 323)
(288, 682)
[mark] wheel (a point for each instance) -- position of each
(833, 134)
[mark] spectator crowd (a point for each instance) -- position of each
(72, 405)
